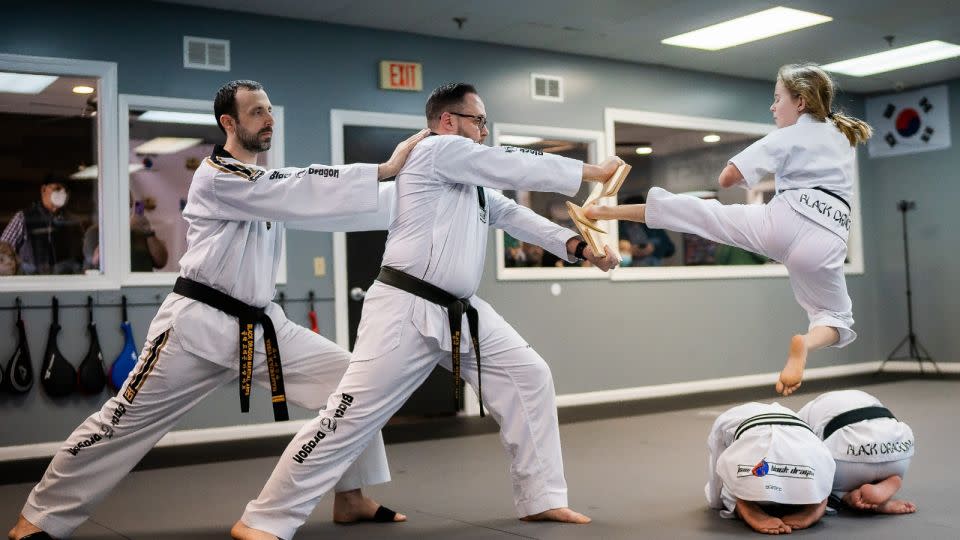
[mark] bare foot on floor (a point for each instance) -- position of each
(807, 516)
(241, 531)
(22, 528)
(896, 506)
(561, 515)
(792, 374)
(879, 498)
(353, 506)
(759, 520)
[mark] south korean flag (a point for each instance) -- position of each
(909, 122)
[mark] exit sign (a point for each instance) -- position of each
(396, 75)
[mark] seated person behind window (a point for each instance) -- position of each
(649, 247)
(45, 238)
(8, 260)
(147, 252)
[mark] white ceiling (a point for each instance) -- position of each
(632, 29)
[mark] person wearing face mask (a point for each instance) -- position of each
(46, 240)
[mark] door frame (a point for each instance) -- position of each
(339, 119)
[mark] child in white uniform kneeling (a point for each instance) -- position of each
(871, 447)
(767, 467)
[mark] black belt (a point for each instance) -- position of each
(248, 317)
(854, 416)
(456, 307)
(770, 419)
(825, 190)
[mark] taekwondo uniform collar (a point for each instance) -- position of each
(785, 464)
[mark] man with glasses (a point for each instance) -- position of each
(447, 199)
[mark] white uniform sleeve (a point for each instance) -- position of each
(716, 443)
(368, 221)
(247, 194)
(712, 490)
(528, 226)
(459, 160)
(761, 158)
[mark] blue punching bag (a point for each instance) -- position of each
(127, 358)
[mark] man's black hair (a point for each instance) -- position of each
(446, 97)
(226, 100)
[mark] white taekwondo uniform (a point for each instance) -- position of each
(866, 451)
(782, 463)
(439, 235)
(805, 226)
(235, 213)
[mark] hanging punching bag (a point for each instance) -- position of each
(18, 377)
(127, 358)
(91, 377)
(57, 376)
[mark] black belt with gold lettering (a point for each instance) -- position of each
(456, 307)
(818, 188)
(854, 416)
(248, 318)
(770, 419)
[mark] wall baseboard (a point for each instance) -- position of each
(273, 429)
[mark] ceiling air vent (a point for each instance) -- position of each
(546, 87)
(206, 53)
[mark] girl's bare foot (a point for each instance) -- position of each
(561, 515)
(353, 506)
(22, 528)
(792, 374)
(759, 520)
(807, 516)
(241, 531)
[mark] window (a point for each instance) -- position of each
(58, 123)
(686, 155)
(165, 140)
(517, 260)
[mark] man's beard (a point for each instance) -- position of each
(252, 142)
(463, 133)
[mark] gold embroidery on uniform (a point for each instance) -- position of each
(146, 367)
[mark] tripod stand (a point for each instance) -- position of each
(915, 350)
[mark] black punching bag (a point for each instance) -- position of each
(18, 377)
(91, 375)
(57, 376)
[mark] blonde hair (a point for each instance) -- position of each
(817, 90)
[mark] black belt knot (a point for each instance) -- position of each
(248, 318)
(456, 308)
(854, 416)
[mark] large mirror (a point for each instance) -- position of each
(517, 260)
(165, 140)
(685, 155)
(56, 129)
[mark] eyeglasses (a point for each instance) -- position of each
(479, 119)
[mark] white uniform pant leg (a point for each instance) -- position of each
(815, 263)
(518, 392)
(746, 226)
(850, 474)
(324, 448)
(312, 368)
(111, 441)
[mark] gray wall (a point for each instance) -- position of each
(932, 179)
(636, 333)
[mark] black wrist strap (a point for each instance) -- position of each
(578, 252)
